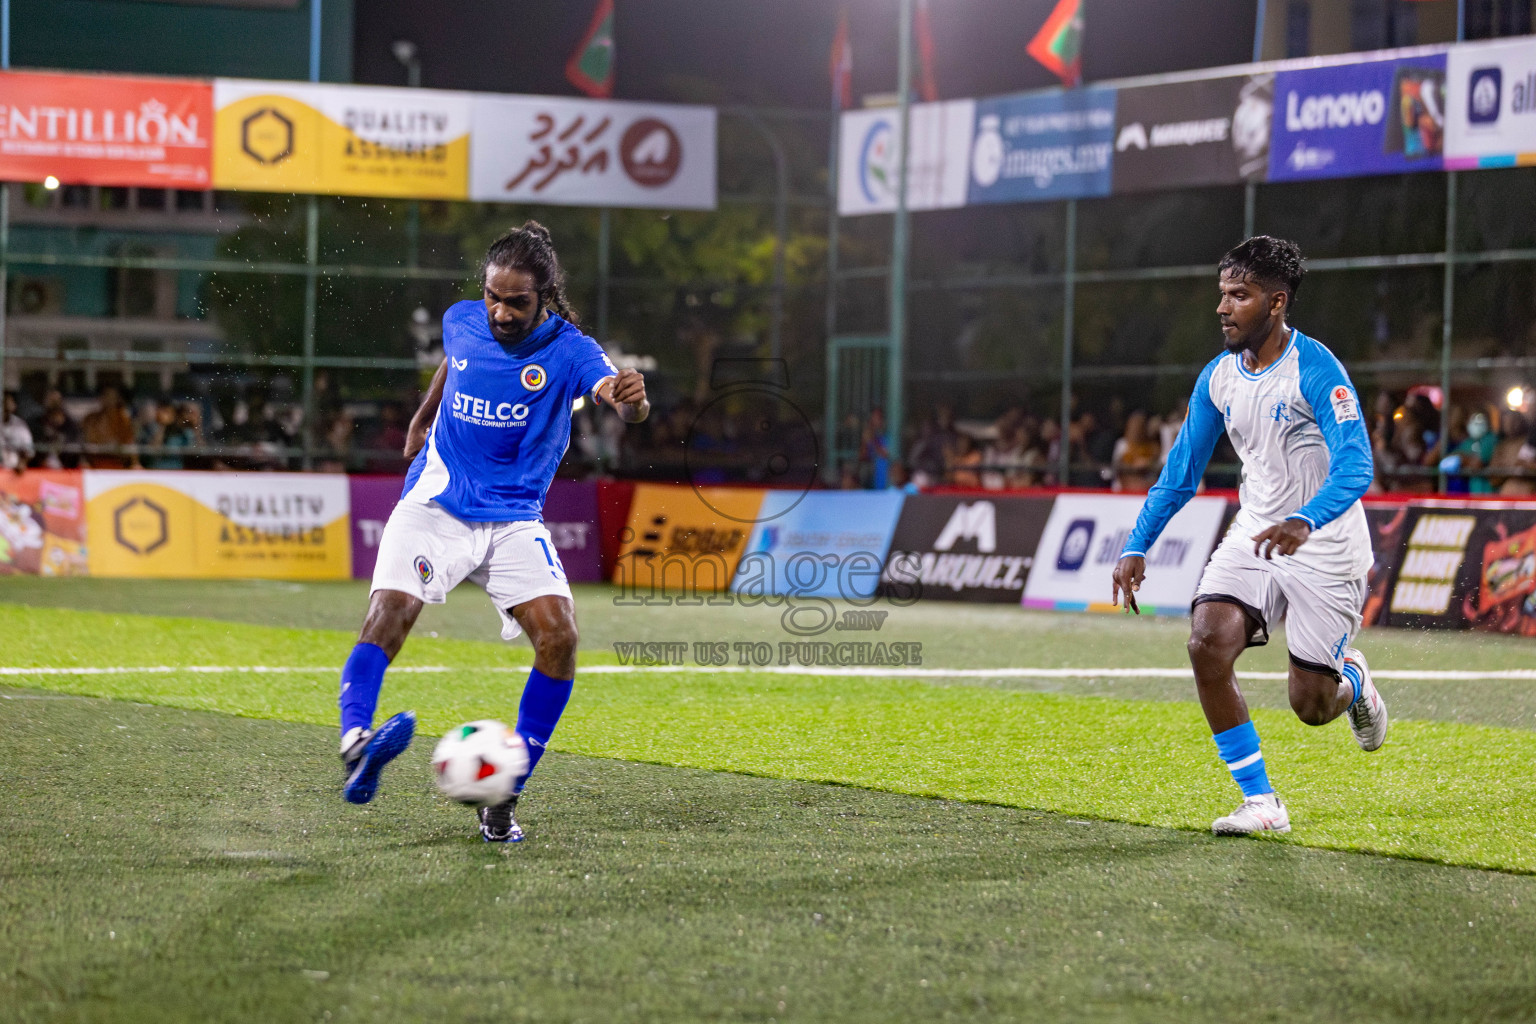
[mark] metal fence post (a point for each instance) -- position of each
(830, 410)
(311, 301)
(898, 282)
(604, 243)
(1068, 315)
(1447, 314)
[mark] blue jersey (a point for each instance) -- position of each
(505, 419)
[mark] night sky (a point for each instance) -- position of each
(774, 52)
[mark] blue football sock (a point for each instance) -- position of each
(1239, 747)
(361, 678)
(1351, 674)
(539, 712)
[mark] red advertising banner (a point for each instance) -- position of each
(42, 523)
(106, 130)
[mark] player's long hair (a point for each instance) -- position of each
(530, 249)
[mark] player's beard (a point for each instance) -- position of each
(519, 334)
(1249, 340)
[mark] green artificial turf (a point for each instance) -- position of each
(162, 865)
(1439, 791)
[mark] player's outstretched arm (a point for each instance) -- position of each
(626, 393)
(416, 436)
(1129, 572)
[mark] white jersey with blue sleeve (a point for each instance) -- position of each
(505, 418)
(1297, 427)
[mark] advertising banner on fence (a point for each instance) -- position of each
(372, 500)
(1210, 132)
(579, 152)
(1491, 105)
(1032, 146)
(685, 538)
(1379, 117)
(1466, 567)
(819, 544)
(293, 526)
(1082, 542)
(936, 162)
(42, 523)
(105, 130)
(350, 140)
(963, 548)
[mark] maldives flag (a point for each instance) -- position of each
(927, 81)
(590, 68)
(841, 65)
(1059, 43)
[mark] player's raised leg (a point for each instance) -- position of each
(1328, 677)
(1219, 632)
(364, 750)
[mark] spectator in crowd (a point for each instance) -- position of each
(874, 452)
(57, 431)
(338, 441)
(110, 427)
(1168, 432)
(159, 435)
(964, 462)
(1013, 460)
(1050, 443)
(15, 436)
(1472, 454)
(1135, 456)
(930, 455)
(1525, 460)
(1506, 454)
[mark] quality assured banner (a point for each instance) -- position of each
(42, 523)
(1083, 540)
(292, 526)
(577, 152)
(1034, 146)
(340, 139)
(105, 130)
(1188, 134)
(819, 544)
(1379, 117)
(684, 538)
(1491, 105)
(936, 161)
(953, 548)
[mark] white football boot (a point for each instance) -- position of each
(1368, 715)
(1264, 813)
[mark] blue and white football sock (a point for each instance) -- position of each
(1351, 674)
(1239, 748)
(538, 713)
(361, 679)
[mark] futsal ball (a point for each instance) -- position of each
(477, 763)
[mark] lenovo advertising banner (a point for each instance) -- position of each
(579, 152)
(1211, 132)
(1491, 105)
(1379, 117)
(1055, 145)
(105, 130)
(350, 140)
(936, 162)
(1083, 540)
(819, 544)
(966, 548)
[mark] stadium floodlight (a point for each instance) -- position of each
(50, 183)
(1515, 398)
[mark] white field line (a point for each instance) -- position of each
(1421, 675)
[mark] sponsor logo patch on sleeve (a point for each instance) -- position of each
(1345, 406)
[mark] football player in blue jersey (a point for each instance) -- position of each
(1299, 547)
(486, 441)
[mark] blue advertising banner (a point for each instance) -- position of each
(1381, 117)
(1043, 146)
(819, 544)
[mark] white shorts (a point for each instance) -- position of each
(1321, 612)
(426, 551)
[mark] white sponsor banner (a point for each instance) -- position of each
(1491, 104)
(578, 152)
(1083, 540)
(938, 162)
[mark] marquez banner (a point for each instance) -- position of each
(101, 130)
(233, 525)
(1188, 134)
(575, 152)
(340, 139)
(966, 548)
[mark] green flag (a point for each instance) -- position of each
(590, 68)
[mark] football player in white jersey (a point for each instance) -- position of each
(1299, 548)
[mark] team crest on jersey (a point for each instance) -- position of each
(1345, 407)
(423, 568)
(534, 378)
